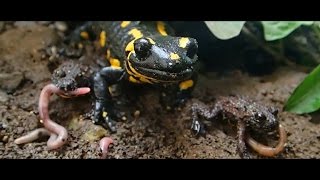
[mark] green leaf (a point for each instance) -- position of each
(225, 29)
(274, 30)
(306, 97)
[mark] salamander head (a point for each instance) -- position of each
(162, 58)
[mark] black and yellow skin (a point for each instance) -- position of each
(141, 53)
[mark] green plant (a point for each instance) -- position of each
(273, 30)
(306, 96)
(225, 29)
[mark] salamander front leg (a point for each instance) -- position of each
(104, 112)
(176, 95)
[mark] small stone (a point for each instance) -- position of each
(13, 107)
(61, 26)
(5, 138)
(136, 114)
(20, 130)
(3, 96)
(149, 130)
(54, 50)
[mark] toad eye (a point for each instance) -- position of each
(192, 49)
(142, 48)
(260, 116)
(60, 74)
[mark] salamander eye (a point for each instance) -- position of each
(142, 48)
(192, 49)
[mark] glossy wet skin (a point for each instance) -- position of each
(165, 58)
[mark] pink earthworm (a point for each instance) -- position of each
(104, 146)
(58, 134)
(34, 135)
(266, 150)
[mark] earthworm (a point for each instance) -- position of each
(33, 135)
(266, 150)
(104, 146)
(58, 134)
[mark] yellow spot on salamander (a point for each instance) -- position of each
(103, 38)
(161, 28)
(130, 47)
(132, 79)
(135, 33)
(174, 56)
(151, 41)
(104, 114)
(84, 35)
(125, 23)
(114, 62)
(183, 42)
(186, 84)
(108, 54)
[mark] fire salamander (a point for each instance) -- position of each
(140, 52)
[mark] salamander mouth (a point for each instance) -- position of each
(165, 76)
(158, 75)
